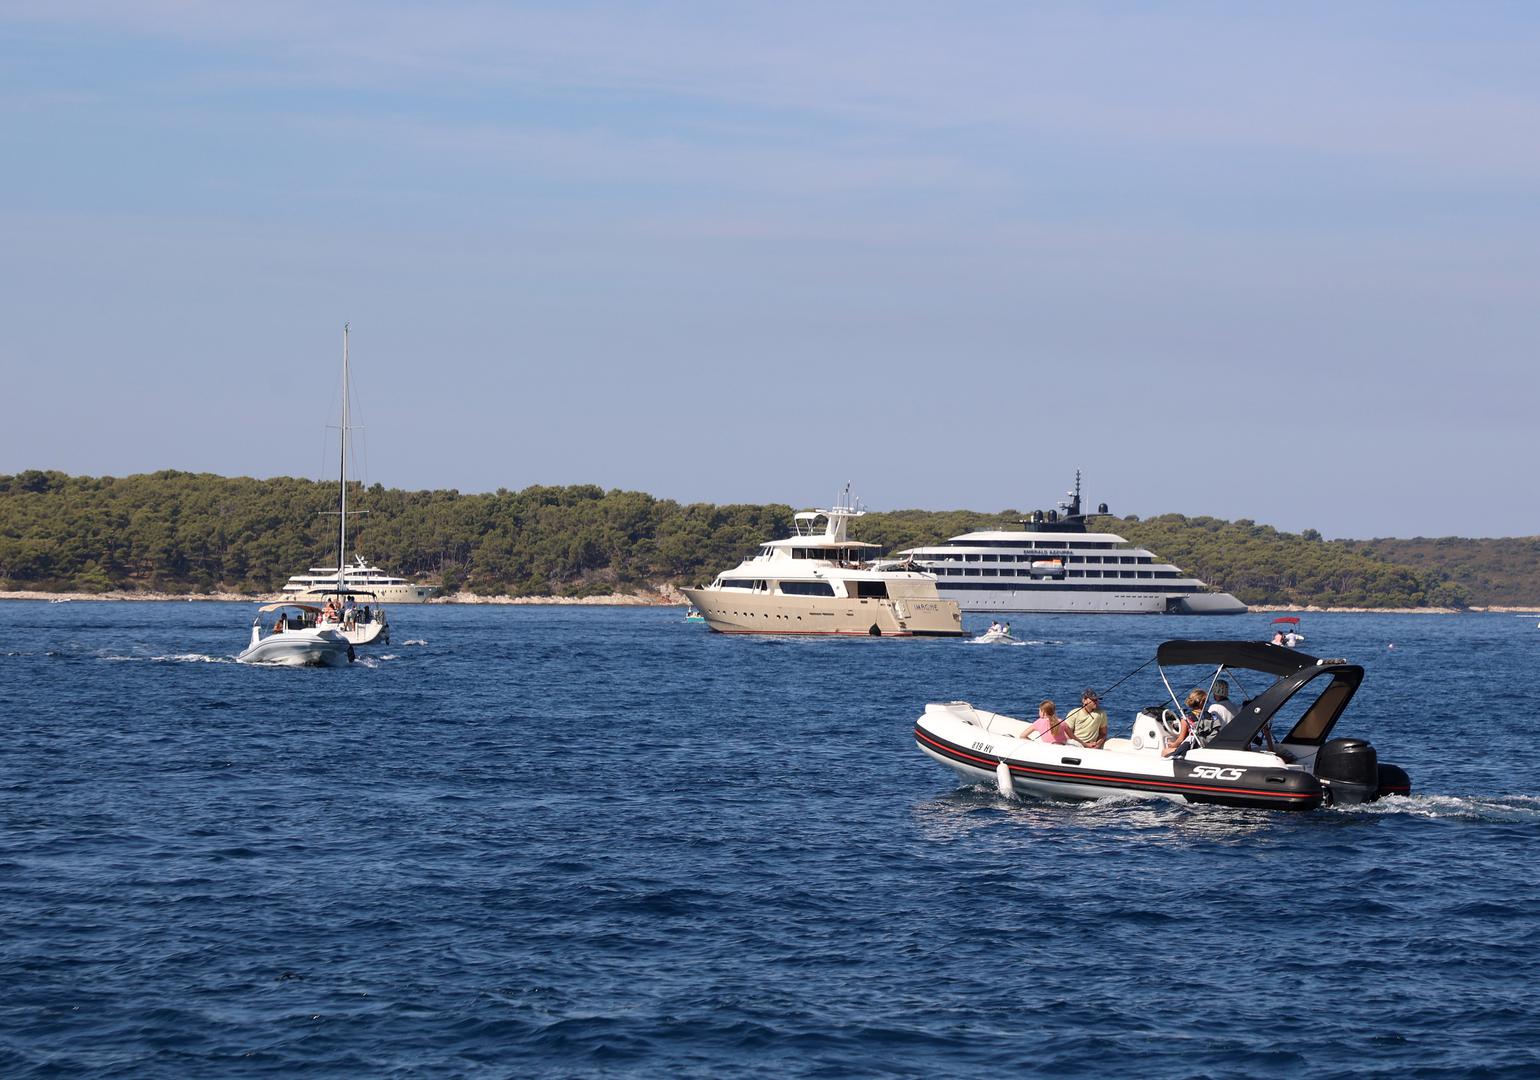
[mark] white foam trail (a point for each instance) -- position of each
(415, 641)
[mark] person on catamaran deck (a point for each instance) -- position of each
(1089, 722)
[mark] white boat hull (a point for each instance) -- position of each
(1068, 600)
(299, 648)
(385, 594)
(974, 744)
(733, 611)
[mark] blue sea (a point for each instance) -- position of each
(578, 841)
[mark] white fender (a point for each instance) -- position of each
(1003, 780)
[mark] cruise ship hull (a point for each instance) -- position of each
(1068, 601)
(732, 611)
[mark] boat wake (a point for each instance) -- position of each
(1491, 808)
(174, 658)
(415, 641)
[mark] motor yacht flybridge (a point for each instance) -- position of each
(1055, 563)
(818, 582)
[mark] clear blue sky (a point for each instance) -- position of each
(1268, 261)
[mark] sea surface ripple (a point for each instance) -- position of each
(537, 841)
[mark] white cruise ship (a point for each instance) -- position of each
(1056, 564)
(359, 577)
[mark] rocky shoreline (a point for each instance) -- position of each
(667, 596)
(664, 596)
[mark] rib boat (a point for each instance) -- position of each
(295, 639)
(1305, 769)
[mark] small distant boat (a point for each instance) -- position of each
(296, 640)
(1286, 631)
(998, 633)
(694, 616)
(62, 600)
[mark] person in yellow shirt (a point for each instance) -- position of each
(1089, 722)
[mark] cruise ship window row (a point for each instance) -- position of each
(1060, 587)
(946, 571)
(1129, 560)
(1041, 545)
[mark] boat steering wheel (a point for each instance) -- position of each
(1171, 722)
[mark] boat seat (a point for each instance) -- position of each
(1122, 746)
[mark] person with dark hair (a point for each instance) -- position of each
(1089, 722)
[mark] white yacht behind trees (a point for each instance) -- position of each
(818, 582)
(359, 577)
(1055, 563)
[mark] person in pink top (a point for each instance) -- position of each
(1049, 728)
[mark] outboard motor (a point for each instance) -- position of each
(1349, 772)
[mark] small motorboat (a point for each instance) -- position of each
(296, 640)
(997, 634)
(694, 616)
(1240, 764)
(1286, 631)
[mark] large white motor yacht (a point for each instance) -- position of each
(1056, 564)
(359, 577)
(817, 582)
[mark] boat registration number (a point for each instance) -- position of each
(988, 748)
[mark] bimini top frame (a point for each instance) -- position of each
(1293, 669)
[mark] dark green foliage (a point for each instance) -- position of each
(1488, 572)
(177, 531)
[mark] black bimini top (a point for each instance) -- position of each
(1246, 655)
(1293, 669)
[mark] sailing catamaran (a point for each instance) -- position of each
(342, 613)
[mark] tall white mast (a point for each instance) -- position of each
(342, 518)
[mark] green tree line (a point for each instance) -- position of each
(187, 532)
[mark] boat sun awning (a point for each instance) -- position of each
(1293, 671)
(267, 608)
(1246, 655)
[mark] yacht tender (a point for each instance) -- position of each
(1056, 564)
(817, 582)
(296, 639)
(1304, 769)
